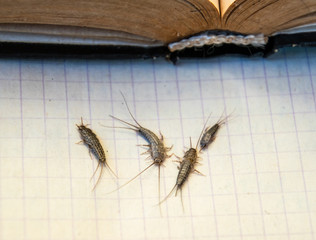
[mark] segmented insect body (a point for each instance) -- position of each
(186, 166)
(156, 146)
(210, 133)
(91, 140)
(157, 150)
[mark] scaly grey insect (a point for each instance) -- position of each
(210, 133)
(91, 140)
(157, 150)
(187, 164)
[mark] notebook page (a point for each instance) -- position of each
(258, 177)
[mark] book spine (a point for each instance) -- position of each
(248, 45)
(211, 38)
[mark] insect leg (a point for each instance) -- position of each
(169, 148)
(147, 158)
(198, 172)
(148, 151)
(144, 153)
(176, 156)
(143, 145)
(178, 161)
(169, 156)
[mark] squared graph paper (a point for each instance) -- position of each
(258, 177)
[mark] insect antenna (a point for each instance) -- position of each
(131, 179)
(124, 122)
(129, 128)
(129, 110)
(82, 123)
(224, 120)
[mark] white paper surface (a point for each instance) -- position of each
(259, 178)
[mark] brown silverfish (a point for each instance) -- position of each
(187, 164)
(210, 133)
(91, 140)
(157, 150)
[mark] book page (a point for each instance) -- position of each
(225, 4)
(216, 4)
(267, 17)
(259, 175)
(164, 21)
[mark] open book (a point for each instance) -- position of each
(150, 23)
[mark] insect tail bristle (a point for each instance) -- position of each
(110, 169)
(201, 148)
(169, 194)
(181, 199)
(95, 171)
(159, 182)
(129, 110)
(131, 179)
(101, 171)
(159, 188)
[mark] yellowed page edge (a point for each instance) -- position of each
(216, 4)
(224, 5)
